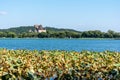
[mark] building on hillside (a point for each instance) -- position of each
(39, 28)
(30, 31)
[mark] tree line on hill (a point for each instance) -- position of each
(23, 32)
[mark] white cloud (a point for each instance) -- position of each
(3, 13)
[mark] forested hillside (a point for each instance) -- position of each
(24, 31)
(18, 30)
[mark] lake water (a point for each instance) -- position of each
(61, 44)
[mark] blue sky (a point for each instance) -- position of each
(74, 14)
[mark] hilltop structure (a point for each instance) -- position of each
(39, 28)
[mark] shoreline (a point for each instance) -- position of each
(69, 38)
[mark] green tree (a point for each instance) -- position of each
(62, 35)
(42, 35)
(11, 34)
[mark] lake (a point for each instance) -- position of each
(61, 44)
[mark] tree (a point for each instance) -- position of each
(11, 34)
(62, 35)
(42, 35)
(1, 34)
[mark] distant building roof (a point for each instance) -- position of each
(39, 28)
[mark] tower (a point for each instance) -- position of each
(39, 28)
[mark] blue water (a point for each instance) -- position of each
(61, 44)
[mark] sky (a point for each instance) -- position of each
(81, 15)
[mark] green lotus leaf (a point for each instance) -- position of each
(85, 64)
(6, 77)
(39, 70)
(117, 65)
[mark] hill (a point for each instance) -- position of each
(23, 32)
(22, 29)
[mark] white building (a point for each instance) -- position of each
(39, 28)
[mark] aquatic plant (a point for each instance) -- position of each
(59, 65)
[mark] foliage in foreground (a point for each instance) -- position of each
(59, 65)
